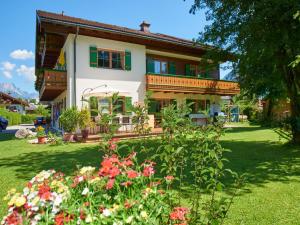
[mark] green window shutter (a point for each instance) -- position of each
(152, 106)
(172, 68)
(93, 56)
(128, 105)
(187, 69)
(93, 106)
(127, 60)
(150, 65)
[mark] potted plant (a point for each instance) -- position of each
(41, 135)
(69, 121)
(84, 122)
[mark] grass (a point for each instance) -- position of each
(272, 195)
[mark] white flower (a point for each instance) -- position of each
(58, 200)
(87, 170)
(37, 217)
(80, 179)
(26, 191)
(129, 219)
(89, 219)
(106, 212)
(117, 223)
(144, 214)
(85, 191)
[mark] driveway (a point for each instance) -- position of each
(13, 129)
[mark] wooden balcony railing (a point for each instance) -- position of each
(182, 84)
(54, 83)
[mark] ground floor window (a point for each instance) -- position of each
(156, 105)
(198, 106)
(105, 105)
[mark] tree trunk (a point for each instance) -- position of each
(269, 109)
(293, 90)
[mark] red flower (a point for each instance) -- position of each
(126, 184)
(110, 184)
(82, 215)
(148, 171)
(178, 213)
(112, 144)
(114, 171)
(128, 162)
(169, 178)
(61, 218)
(44, 192)
(14, 219)
(132, 174)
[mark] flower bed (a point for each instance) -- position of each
(119, 192)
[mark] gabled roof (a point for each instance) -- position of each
(60, 18)
(8, 99)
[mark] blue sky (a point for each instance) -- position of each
(17, 22)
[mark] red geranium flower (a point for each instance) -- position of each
(178, 213)
(132, 174)
(44, 192)
(14, 219)
(61, 218)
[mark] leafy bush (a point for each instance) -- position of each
(13, 118)
(69, 119)
(188, 149)
(84, 119)
(28, 118)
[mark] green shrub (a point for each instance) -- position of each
(13, 118)
(29, 118)
(69, 119)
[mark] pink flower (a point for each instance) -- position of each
(148, 171)
(110, 184)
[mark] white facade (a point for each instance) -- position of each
(132, 81)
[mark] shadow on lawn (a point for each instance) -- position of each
(27, 165)
(262, 161)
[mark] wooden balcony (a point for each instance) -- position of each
(53, 84)
(183, 84)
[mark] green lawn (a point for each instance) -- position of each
(272, 195)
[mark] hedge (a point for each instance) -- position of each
(13, 118)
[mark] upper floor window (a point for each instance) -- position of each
(160, 67)
(116, 59)
(110, 59)
(103, 59)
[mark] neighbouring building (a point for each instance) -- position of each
(12, 104)
(78, 58)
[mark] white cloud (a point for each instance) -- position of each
(7, 69)
(27, 72)
(22, 54)
(8, 66)
(7, 74)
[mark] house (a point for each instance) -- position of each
(12, 104)
(78, 58)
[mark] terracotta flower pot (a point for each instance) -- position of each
(41, 140)
(68, 137)
(85, 134)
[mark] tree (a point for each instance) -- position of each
(263, 36)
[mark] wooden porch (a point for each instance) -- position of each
(54, 82)
(184, 84)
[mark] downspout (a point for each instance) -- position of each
(74, 83)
